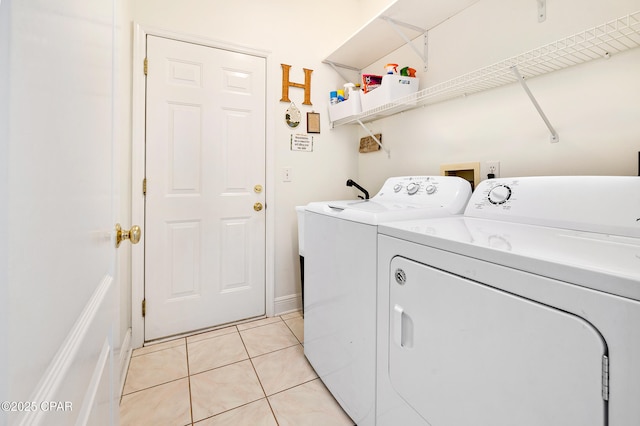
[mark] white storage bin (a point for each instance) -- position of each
(350, 107)
(393, 87)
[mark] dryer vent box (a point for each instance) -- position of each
(468, 171)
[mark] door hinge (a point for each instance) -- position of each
(144, 307)
(144, 186)
(146, 66)
(605, 377)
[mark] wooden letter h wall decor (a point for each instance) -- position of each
(286, 84)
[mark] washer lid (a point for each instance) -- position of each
(373, 212)
(603, 262)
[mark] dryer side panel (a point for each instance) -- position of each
(463, 353)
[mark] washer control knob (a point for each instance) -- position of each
(430, 189)
(499, 194)
(397, 187)
(412, 188)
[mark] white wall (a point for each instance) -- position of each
(594, 107)
(300, 34)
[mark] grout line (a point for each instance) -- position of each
(221, 366)
(266, 397)
(133, 355)
(260, 381)
(262, 325)
(273, 413)
(224, 365)
(124, 384)
(253, 366)
(203, 330)
(277, 350)
(295, 386)
(155, 386)
(250, 358)
(212, 337)
(294, 334)
(235, 408)
(186, 346)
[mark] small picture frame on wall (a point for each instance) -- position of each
(313, 122)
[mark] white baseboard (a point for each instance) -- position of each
(124, 358)
(286, 304)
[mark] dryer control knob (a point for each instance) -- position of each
(499, 194)
(430, 189)
(412, 188)
(397, 187)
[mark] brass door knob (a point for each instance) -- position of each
(132, 235)
(257, 207)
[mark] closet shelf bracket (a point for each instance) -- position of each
(395, 25)
(542, 10)
(374, 137)
(554, 134)
(337, 70)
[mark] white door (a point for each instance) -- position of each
(58, 293)
(463, 353)
(205, 171)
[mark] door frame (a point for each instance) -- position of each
(140, 33)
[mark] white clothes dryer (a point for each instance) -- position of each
(340, 280)
(524, 311)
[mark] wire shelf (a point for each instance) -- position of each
(599, 42)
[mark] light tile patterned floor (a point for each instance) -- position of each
(251, 374)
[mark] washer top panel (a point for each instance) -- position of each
(400, 198)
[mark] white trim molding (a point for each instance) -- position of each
(124, 358)
(286, 304)
(91, 335)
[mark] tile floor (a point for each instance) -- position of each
(250, 374)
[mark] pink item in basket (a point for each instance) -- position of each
(370, 82)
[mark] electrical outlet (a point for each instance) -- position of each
(286, 174)
(493, 167)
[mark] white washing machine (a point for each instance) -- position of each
(524, 311)
(340, 280)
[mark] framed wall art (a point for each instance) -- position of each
(313, 122)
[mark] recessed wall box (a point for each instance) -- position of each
(467, 171)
